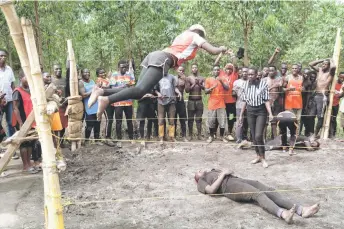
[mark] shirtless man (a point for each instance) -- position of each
(180, 104)
(194, 86)
(244, 190)
(275, 84)
(325, 75)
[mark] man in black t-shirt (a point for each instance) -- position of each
(244, 190)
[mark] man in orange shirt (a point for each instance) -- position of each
(293, 87)
(338, 94)
(216, 87)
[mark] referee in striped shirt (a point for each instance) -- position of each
(256, 101)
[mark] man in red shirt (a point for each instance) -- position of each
(230, 75)
(338, 94)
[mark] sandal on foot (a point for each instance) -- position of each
(30, 170)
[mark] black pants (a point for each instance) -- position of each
(110, 112)
(273, 202)
(128, 111)
(333, 124)
(181, 113)
(283, 131)
(36, 151)
(319, 110)
(256, 118)
(147, 111)
(195, 112)
(92, 124)
(230, 109)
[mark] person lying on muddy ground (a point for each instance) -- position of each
(288, 120)
(244, 190)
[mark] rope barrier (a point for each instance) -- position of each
(203, 117)
(189, 142)
(73, 202)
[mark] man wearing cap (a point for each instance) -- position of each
(156, 65)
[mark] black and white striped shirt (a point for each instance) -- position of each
(256, 94)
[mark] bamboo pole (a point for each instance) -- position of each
(18, 39)
(73, 82)
(52, 198)
(336, 54)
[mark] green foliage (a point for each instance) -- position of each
(105, 32)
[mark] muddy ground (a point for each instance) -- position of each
(110, 177)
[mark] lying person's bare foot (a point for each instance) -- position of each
(255, 161)
(310, 211)
(287, 215)
(96, 92)
(103, 102)
(291, 152)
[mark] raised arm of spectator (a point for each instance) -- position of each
(314, 64)
(273, 57)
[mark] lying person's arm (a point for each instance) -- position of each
(211, 189)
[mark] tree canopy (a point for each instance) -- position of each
(105, 32)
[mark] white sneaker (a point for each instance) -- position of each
(210, 139)
(230, 137)
(225, 140)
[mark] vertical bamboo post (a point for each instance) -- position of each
(73, 82)
(336, 54)
(16, 32)
(52, 198)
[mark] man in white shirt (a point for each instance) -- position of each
(241, 128)
(7, 86)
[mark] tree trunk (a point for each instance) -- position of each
(246, 33)
(8, 47)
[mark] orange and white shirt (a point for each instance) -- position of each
(117, 81)
(101, 82)
(185, 46)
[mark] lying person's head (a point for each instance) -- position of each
(199, 174)
(315, 144)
